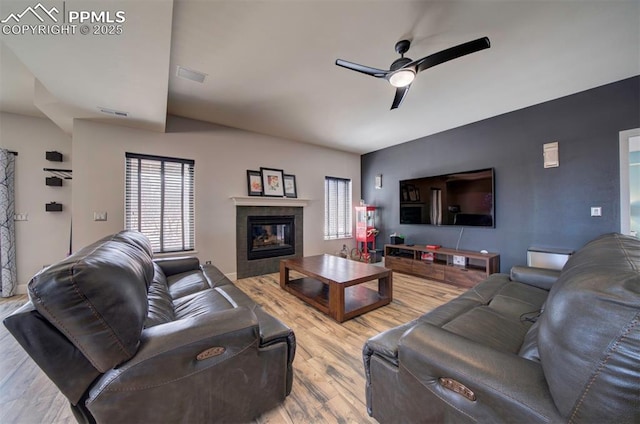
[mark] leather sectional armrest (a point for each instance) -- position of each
(537, 277)
(506, 387)
(177, 265)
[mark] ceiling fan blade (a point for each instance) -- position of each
(449, 54)
(374, 72)
(401, 93)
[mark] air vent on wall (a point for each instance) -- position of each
(190, 74)
(113, 112)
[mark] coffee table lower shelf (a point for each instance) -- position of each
(357, 299)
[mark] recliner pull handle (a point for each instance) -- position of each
(456, 386)
(209, 353)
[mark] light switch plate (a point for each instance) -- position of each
(21, 217)
(99, 216)
(596, 210)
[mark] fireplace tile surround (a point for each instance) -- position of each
(249, 268)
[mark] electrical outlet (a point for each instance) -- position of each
(596, 210)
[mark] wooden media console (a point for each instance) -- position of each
(462, 268)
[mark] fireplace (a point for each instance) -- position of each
(270, 236)
(265, 235)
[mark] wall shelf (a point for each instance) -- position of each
(53, 207)
(269, 201)
(53, 156)
(60, 173)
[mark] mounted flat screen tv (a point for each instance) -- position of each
(462, 198)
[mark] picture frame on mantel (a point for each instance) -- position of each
(290, 186)
(272, 182)
(254, 183)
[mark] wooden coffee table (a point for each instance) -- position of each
(332, 285)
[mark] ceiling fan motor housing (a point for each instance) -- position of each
(402, 47)
(399, 63)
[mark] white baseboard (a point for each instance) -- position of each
(233, 276)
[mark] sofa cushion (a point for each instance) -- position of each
(214, 276)
(186, 283)
(490, 328)
(203, 301)
(492, 313)
(529, 348)
(160, 302)
(97, 297)
(589, 333)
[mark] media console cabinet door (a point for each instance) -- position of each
(464, 277)
(429, 269)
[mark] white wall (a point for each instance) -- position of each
(222, 156)
(44, 238)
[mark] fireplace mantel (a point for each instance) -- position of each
(269, 201)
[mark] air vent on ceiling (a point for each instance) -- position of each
(190, 74)
(113, 112)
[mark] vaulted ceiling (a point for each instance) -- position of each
(270, 65)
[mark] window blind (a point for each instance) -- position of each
(159, 200)
(337, 208)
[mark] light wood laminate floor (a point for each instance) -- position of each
(328, 384)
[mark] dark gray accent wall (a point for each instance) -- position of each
(534, 206)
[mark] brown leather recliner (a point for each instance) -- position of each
(527, 348)
(129, 339)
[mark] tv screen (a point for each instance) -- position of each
(462, 198)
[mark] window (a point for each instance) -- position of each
(337, 208)
(159, 201)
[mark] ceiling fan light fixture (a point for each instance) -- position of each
(402, 78)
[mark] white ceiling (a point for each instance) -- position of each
(270, 64)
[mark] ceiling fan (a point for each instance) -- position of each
(403, 70)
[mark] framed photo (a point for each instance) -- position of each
(290, 186)
(272, 182)
(412, 193)
(405, 194)
(254, 183)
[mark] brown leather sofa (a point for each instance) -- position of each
(129, 339)
(535, 346)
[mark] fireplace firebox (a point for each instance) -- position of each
(270, 236)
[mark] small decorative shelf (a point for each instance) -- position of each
(53, 156)
(53, 181)
(53, 207)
